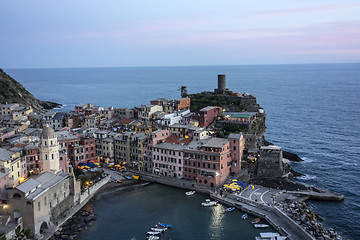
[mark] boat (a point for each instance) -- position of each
(261, 226)
(256, 220)
(270, 236)
(164, 225)
(128, 177)
(244, 216)
(153, 233)
(190, 193)
(135, 177)
(158, 229)
(152, 237)
(209, 203)
(229, 209)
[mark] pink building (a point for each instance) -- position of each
(207, 115)
(32, 158)
(237, 143)
(155, 137)
(208, 164)
(168, 157)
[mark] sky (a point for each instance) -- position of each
(117, 33)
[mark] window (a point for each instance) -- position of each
(39, 206)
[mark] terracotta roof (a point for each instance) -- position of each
(126, 121)
(178, 140)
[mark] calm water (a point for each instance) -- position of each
(135, 211)
(312, 110)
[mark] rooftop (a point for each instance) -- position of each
(216, 142)
(5, 154)
(235, 136)
(37, 185)
(206, 108)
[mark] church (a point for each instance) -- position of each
(43, 198)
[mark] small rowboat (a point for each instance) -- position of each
(256, 220)
(244, 216)
(164, 225)
(153, 233)
(229, 209)
(190, 193)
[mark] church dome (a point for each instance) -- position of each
(48, 133)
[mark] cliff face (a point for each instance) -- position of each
(13, 92)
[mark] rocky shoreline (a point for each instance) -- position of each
(306, 218)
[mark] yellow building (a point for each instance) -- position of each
(146, 111)
(16, 165)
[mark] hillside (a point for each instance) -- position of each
(13, 92)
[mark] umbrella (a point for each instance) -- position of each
(91, 164)
(82, 164)
(117, 165)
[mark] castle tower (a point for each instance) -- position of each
(221, 84)
(49, 151)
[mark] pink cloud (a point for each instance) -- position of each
(305, 10)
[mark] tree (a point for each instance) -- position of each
(22, 234)
(183, 90)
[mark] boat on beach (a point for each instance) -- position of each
(189, 193)
(244, 216)
(209, 203)
(256, 220)
(229, 209)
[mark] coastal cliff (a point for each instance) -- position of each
(12, 91)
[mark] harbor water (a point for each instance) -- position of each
(312, 110)
(130, 213)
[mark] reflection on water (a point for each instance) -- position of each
(216, 224)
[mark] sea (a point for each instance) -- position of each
(312, 110)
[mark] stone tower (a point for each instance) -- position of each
(49, 151)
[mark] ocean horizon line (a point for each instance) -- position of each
(179, 66)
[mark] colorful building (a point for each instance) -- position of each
(207, 115)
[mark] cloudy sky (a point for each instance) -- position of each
(116, 33)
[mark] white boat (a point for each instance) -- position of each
(190, 193)
(244, 216)
(153, 233)
(270, 236)
(153, 237)
(158, 229)
(261, 226)
(209, 203)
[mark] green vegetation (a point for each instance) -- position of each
(184, 92)
(88, 177)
